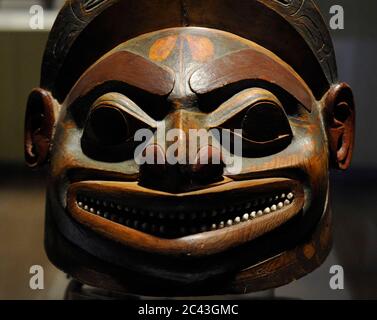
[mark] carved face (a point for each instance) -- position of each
(173, 217)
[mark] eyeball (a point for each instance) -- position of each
(265, 122)
(107, 126)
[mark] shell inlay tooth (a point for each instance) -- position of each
(245, 217)
(213, 227)
(267, 210)
(287, 202)
(221, 225)
(259, 213)
(253, 214)
(99, 212)
(290, 196)
(237, 220)
(280, 205)
(274, 207)
(276, 197)
(229, 222)
(282, 195)
(80, 204)
(86, 207)
(91, 210)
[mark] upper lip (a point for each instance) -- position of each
(196, 240)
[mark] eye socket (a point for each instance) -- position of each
(108, 135)
(265, 122)
(107, 126)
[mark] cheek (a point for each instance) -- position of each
(67, 155)
(66, 151)
(311, 143)
(306, 158)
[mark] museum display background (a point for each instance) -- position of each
(354, 204)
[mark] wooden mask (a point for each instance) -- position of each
(263, 68)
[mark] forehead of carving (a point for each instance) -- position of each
(194, 45)
(200, 48)
(186, 50)
(183, 50)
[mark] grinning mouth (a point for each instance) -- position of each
(196, 223)
(174, 223)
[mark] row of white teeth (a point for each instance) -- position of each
(89, 204)
(281, 201)
(255, 214)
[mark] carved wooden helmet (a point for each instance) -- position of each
(112, 68)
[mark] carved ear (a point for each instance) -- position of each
(39, 127)
(340, 115)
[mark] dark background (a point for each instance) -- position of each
(354, 192)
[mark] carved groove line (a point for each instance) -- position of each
(89, 5)
(301, 15)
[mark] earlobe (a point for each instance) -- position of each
(39, 126)
(340, 121)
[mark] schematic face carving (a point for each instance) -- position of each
(255, 189)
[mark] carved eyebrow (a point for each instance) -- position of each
(250, 64)
(127, 67)
(126, 105)
(237, 103)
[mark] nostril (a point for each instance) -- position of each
(152, 169)
(208, 166)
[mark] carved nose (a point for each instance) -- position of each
(206, 168)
